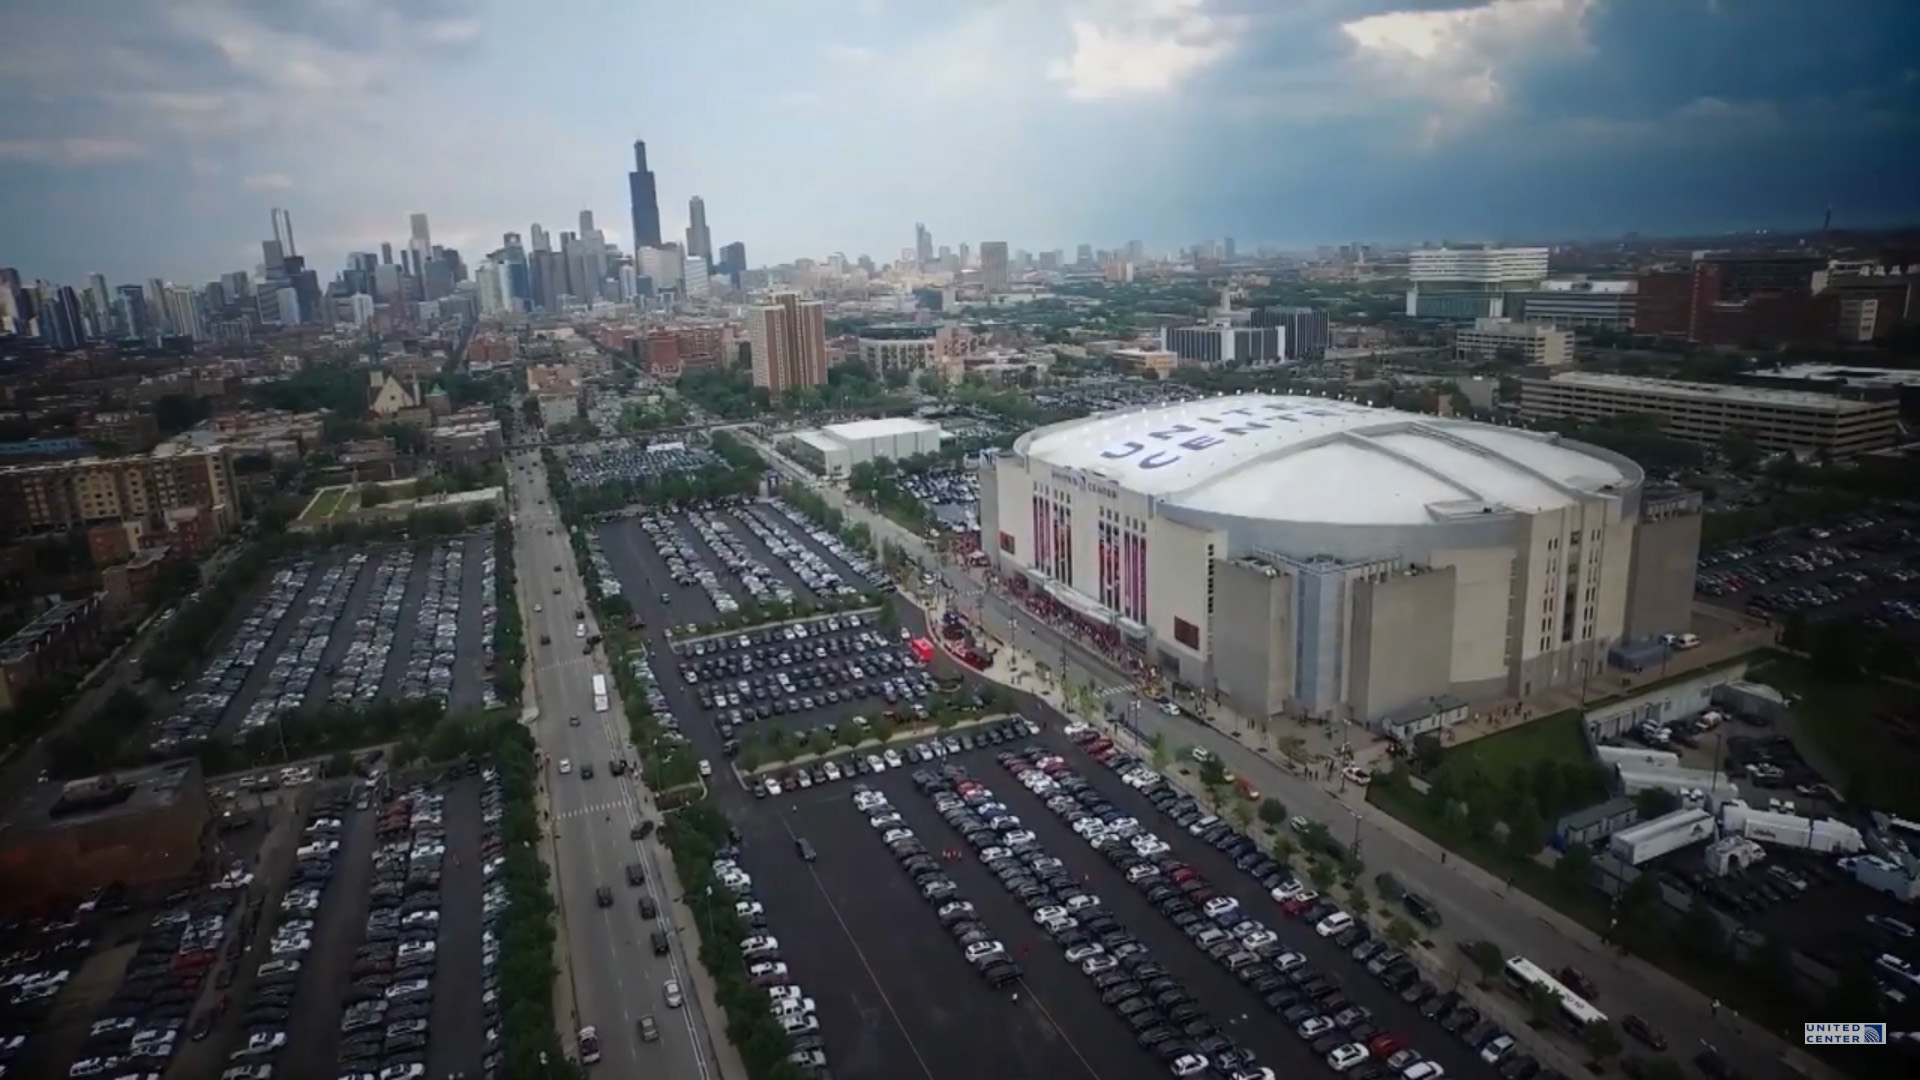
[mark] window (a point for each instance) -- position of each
(1186, 634)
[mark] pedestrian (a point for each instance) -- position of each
(1715, 1006)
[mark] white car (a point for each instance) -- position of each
(875, 763)
(1082, 952)
(671, 991)
(866, 801)
(1336, 923)
(1424, 1070)
(1346, 1056)
(1094, 965)
(767, 969)
(799, 1023)
(786, 993)
(706, 767)
(747, 909)
(892, 758)
(884, 821)
(832, 770)
(1020, 836)
(1141, 871)
(1262, 939)
(759, 946)
(1313, 1027)
(894, 836)
(771, 786)
(1049, 914)
(995, 854)
(1221, 906)
(1286, 962)
(1190, 1064)
(566, 766)
(981, 950)
(1283, 893)
(1497, 1049)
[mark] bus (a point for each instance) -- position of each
(599, 693)
(1575, 1012)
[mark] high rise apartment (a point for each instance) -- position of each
(922, 246)
(645, 200)
(419, 233)
(62, 495)
(699, 237)
(788, 337)
(993, 265)
(1470, 283)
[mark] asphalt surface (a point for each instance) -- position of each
(1470, 912)
(339, 926)
(456, 1037)
(1390, 1013)
(616, 976)
(897, 998)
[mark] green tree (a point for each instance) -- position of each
(1272, 811)
(1401, 934)
(1282, 849)
(1601, 1040)
(1428, 752)
(1321, 874)
(1213, 775)
(1162, 753)
(1573, 870)
(1485, 955)
(1651, 803)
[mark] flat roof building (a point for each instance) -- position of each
(1706, 413)
(137, 828)
(835, 449)
(1529, 343)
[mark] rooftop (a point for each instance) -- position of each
(1850, 376)
(57, 805)
(1699, 391)
(28, 639)
(1303, 458)
(883, 428)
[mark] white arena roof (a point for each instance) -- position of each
(1313, 459)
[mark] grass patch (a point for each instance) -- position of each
(1550, 738)
(325, 504)
(1852, 722)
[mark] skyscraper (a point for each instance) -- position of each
(993, 265)
(537, 238)
(699, 237)
(421, 236)
(922, 246)
(788, 337)
(645, 200)
(586, 224)
(283, 231)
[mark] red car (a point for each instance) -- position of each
(1643, 1031)
(1298, 905)
(1385, 1046)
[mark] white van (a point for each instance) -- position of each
(580, 630)
(1682, 642)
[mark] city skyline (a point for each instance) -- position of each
(159, 139)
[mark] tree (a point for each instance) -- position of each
(1322, 875)
(1240, 812)
(1543, 1004)
(1401, 933)
(1573, 871)
(1651, 803)
(1213, 774)
(1485, 955)
(1162, 753)
(1427, 754)
(1601, 1040)
(1282, 849)
(1272, 810)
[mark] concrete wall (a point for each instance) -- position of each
(1674, 701)
(1179, 564)
(1396, 657)
(1253, 643)
(1666, 556)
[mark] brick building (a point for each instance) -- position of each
(140, 828)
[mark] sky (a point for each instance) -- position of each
(150, 139)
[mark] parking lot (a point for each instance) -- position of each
(391, 622)
(1865, 565)
(950, 496)
(631, 461)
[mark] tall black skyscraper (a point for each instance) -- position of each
(646, 201)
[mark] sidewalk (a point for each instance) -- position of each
(566, 1013)
(686, 929)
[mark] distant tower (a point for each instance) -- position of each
(644, 200)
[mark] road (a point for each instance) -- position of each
(617, 979)
(1471, 909)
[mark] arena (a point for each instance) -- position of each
(1311, 557)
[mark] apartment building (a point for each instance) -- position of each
(58, 496)
(788, 338)
(1531, 343)
(1705, 413)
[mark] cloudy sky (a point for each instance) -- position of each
(151, 137)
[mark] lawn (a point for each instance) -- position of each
(325, 504)
(1848, 722)
(1550, 738)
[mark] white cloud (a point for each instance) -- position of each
(75, 151)
(1454, 62)
(273, 181)
(1140, 48)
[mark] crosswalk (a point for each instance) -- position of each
(618, 806)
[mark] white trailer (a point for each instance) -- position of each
(1823, 835)
(1668, 832)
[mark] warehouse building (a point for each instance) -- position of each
(834, 450)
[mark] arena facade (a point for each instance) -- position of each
(1312, 557)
